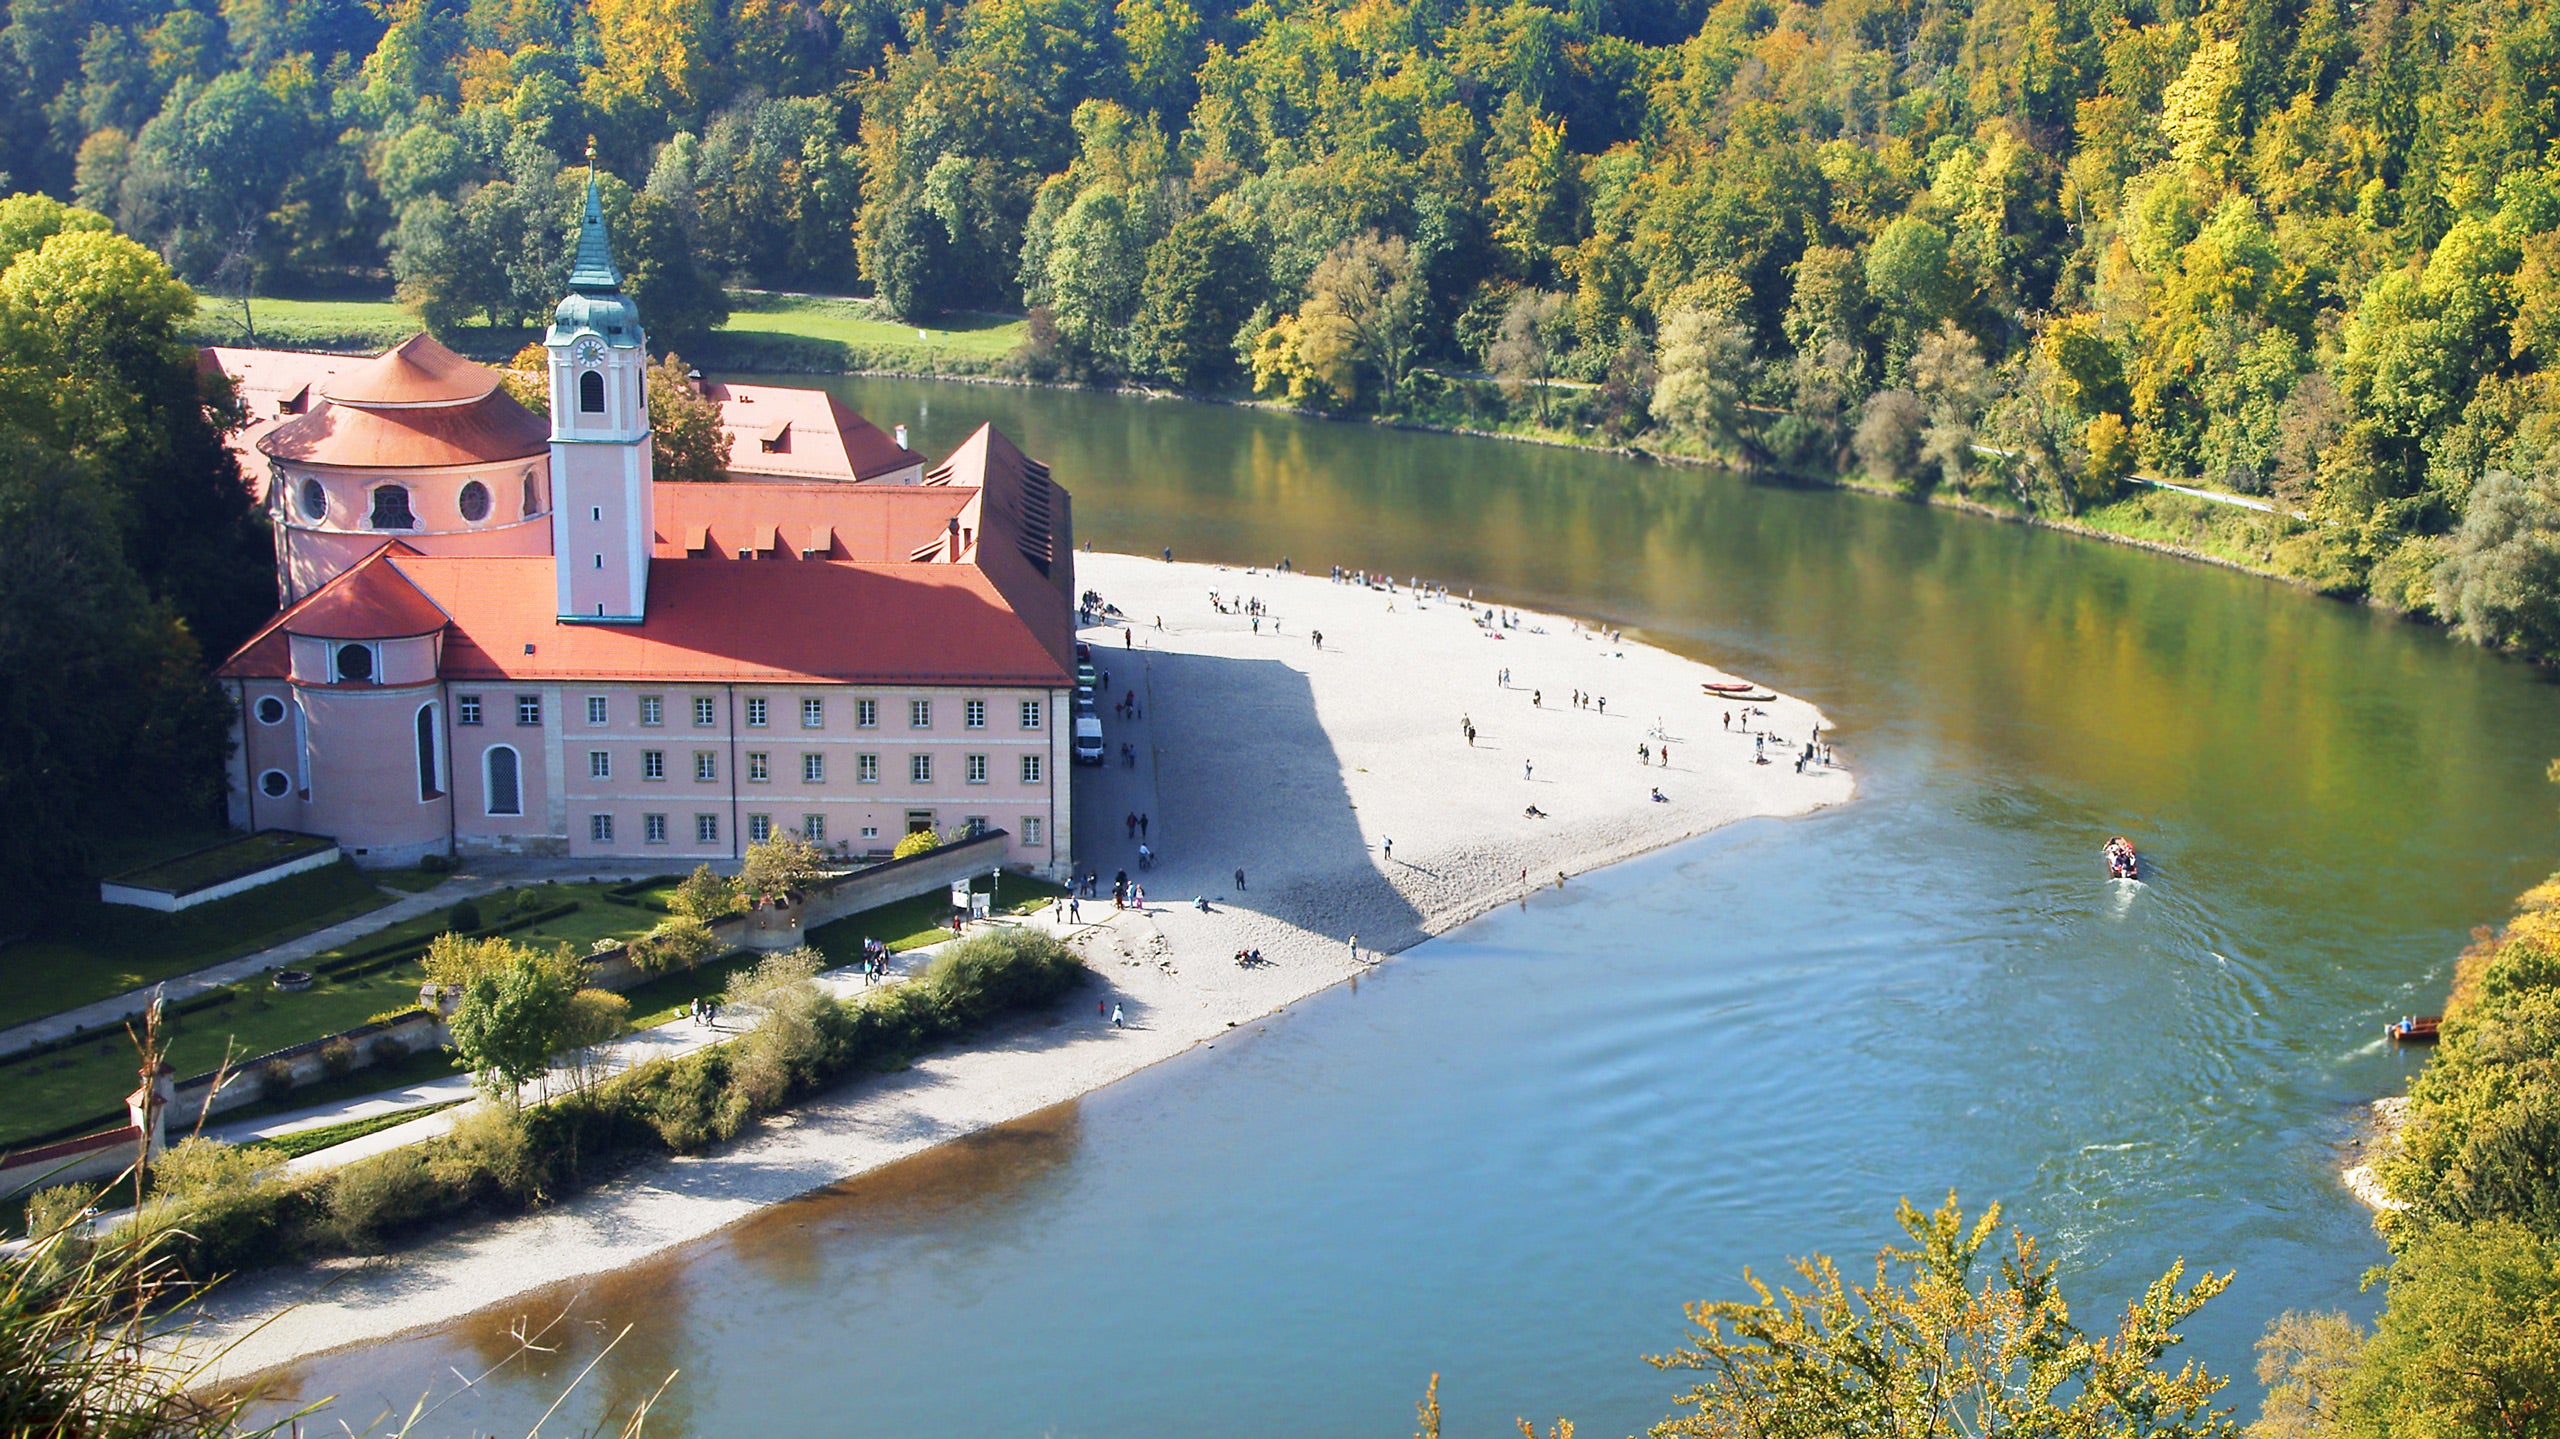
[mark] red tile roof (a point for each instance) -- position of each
(371, 600)
(816, 436)
(873, 524)
(274, 386)
(416, 372)
(488, 430)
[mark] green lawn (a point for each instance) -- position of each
(68, 1086)
(220, 863)
(309, 1141)
(911, 923)
(106, 949)
(767, 330)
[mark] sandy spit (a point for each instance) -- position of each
(1255, 750)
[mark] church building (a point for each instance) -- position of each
(506, 635)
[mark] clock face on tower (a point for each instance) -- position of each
(590, 351)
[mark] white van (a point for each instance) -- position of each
(1088, 739)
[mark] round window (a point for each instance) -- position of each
(270, 710)
(355, 664)
(275, 784)
(475, 502)
(315, 500)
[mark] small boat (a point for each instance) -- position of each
(2413, 1029)
(1728, 689)
(2122, 862)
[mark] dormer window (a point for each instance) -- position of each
(591, 393)
(355, 664)
(391, 508)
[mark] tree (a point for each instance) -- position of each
(2306, 1361)
(1934, 1346)
(1888, 438)
(515, 1015)
(780, 867)
(1910, 276)
(2501, 584)
(2469, 1343)
(595, 1017)
(1372, 287)
(1201, 284)
(1524, 354)
(1704, 367)
(677, 942)
(678, 300)
(706, 895)
(688, 442)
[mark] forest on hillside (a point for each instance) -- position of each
(2299, 249)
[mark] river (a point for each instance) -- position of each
(1510, 1156)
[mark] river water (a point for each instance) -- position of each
(1511, 1155)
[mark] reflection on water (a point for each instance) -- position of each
(1511, 1155)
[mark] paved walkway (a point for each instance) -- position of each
(665, 1041)
(482, 879)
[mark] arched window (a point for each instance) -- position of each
(505, 793)
(474, 502)
(591, 393)
(532, 496)
(315, 501)
(391, 508)
(430, 773)
(355, 665)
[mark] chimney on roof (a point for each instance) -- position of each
(901, 433)
(955, 539)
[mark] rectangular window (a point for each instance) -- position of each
(973, 713)
(756, 713)
(977, 769)
(866, 768)
(706, 829)
(920, 768)
(813, 714)
(528, 709)
(919, 714)
(871, 831)
(706, 710)
(1030, 829)
(599, 764)
(706, 764)
(596, 709)
(866, 714)
(600, 828)
(813, 768)
(1031, 769)
(1031, 713)
(759, 828)
(653, 764)
(466, 709)
(813, 828)
(759, 767)
(654, 828)
(653, 710)
(973, 825)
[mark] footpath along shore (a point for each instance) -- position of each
(1249, 749)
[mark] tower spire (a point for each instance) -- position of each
(592, 269)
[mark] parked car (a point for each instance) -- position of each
(1088, 739)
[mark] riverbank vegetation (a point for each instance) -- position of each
(2469, 1339)
(216, 1209)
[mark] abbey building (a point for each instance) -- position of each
(502, 634)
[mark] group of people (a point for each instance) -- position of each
(1125, 892)
(1584, 699)
(875, 960)
(1646, 754)
(1126, 707)
(1136, 824)
(705, 1011)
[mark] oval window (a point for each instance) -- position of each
(275, 784)
(315, 501)
(270, 710)
(355, 665)
(475, 502)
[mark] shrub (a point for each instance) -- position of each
(923, 841)
(383, 1193)
(678, 942)
(464, 917)
(1001, 969)
(338, 1057)
(275, 1076)
(531, 898)
(436, 864)
(706, 895)
(486, 1154)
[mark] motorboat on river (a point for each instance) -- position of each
(2413, 1029)
(2122, 862)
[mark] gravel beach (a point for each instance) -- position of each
(1254, 750)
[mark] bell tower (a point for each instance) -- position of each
(602, 525)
